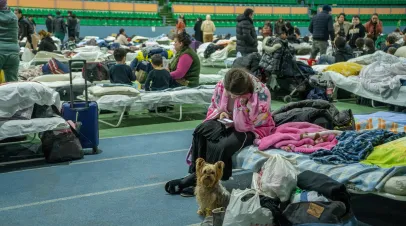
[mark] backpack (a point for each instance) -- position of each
(96, 71)
(62, 145)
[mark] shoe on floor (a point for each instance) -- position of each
(188, 192)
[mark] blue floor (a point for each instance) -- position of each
(121, 186)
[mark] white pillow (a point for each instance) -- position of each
(401, 52)
(396, 185)
(116, 90)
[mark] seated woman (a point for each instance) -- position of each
(122, 38)
(242, 98)
(47, 43)
(185, 65)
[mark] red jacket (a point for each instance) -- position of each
(369, 29)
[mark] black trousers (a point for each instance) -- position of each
(213, 142)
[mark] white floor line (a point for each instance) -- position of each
(79, 196)
(128, 157)
(100, 160)
(146, 134)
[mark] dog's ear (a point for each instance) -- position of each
(199, 166)
(219, 170)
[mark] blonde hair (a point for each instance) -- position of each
(44, 33)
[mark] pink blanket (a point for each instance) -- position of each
(301, 137)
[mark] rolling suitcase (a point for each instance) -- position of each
(85, 114)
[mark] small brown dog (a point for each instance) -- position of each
(210, 194)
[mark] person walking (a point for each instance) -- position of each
(322, 29)
(246, 35)
(208, 29)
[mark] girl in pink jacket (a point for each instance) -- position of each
(239, 113)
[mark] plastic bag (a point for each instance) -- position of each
(242, 212)
(278, 178)
(27, 55)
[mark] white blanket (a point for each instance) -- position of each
(377, 56)
(21, 95)
(14, 128)
(383, 78)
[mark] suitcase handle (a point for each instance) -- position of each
(71, 86)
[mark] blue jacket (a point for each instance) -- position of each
(321, 27)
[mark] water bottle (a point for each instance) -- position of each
(329, 90)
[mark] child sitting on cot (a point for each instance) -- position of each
(359, 51)
(121, 73)
(392, 50)
(71, 44)
(343, 52)
(369, 46)
(159, 78)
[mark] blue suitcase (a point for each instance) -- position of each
(85, 114)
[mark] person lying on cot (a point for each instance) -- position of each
(239, 114)
(121, 73)
(185, 65)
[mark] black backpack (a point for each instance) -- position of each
(96, 71)
(61, 146)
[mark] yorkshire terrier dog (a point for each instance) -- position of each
(210, 194)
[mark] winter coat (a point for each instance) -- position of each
(373, 30)
(47, 44)
(249, 62)
(25, 29)
(321, 27)
(346, 26)
(318, 112)
(355, 32)
(49, 24)
(278, 27)
(246, 35)
(344, 54)
(198, 31)
(276, 58)
(59, 25)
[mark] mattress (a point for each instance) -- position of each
(14, 128)
(200, 95)
(353, 85)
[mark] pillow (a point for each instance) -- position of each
(396, 186)
(345, 68)
(401, 52)
(99, 91)
(389, 154)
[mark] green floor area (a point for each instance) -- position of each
(143, 123)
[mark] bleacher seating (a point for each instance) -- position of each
(99, 18)
(358, 2)
(249, 2)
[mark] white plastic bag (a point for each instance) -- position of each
(278, 178)
(247, 212)
(27, 55)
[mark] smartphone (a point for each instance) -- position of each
(225, 121)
